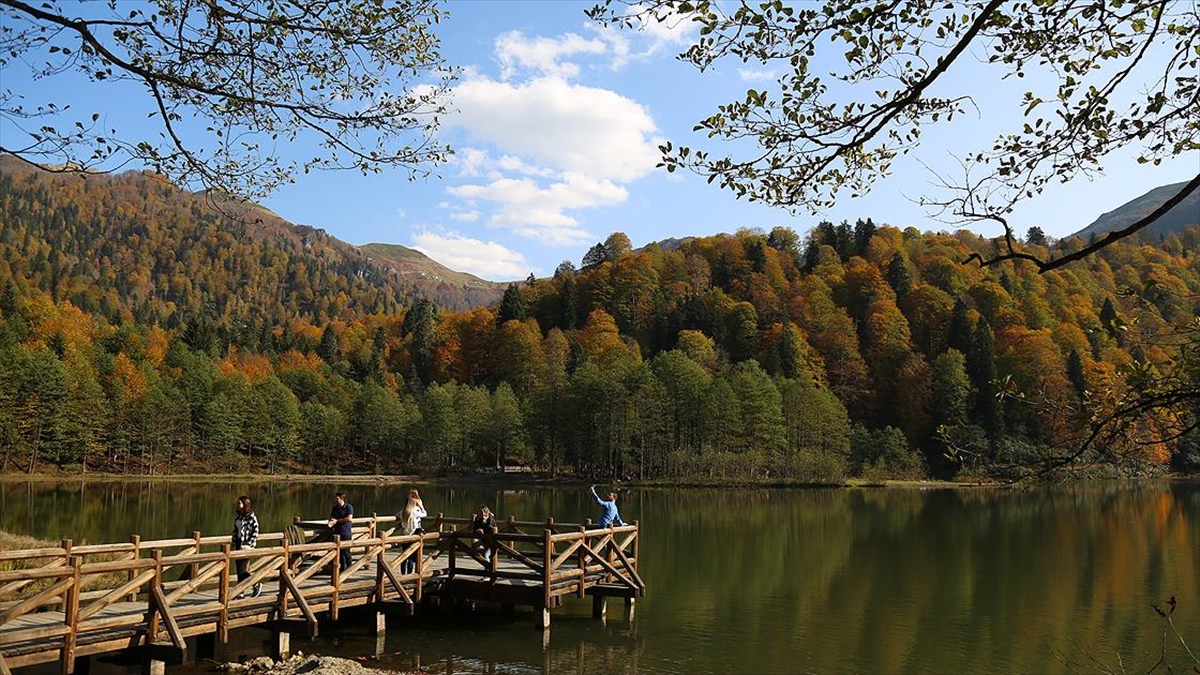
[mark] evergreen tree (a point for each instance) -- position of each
(329, 348)
(981, 367)
(512, 305)
(1076, 374)
(898, 276)
(958, 333)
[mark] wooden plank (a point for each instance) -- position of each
(34, 573)
(93, 549)
(11, 637)
(164, 611)
(22, 554)
(97, 568)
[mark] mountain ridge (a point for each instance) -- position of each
(1185, 213)
(134, 242)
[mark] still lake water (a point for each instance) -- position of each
(1045, 580)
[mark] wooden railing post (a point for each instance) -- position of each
(637, 539)
(583, 559)
(71, 611)
(136, 540)
(194, 568)
(547, 562)
(380, 561)
(152, 623)
(337, 576)
(223, 596)
(420, 568)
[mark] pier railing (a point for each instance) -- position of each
(65, 601)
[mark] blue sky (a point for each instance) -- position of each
(555, 124)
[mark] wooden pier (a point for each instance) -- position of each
(77, 601)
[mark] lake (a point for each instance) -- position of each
(1053, 579)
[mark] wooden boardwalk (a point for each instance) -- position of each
(73, 601)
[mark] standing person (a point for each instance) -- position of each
(341, 518)
(245, 536)
(609, 515)
(484, 527)
(410, 523)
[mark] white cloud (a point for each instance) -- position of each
(486, 259)
(554, 123)
(465, 216)
(531, 210)
(543, 55)
(757, 75)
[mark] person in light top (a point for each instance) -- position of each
(410, 523)
(609, 515)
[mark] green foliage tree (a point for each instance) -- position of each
(339, 76)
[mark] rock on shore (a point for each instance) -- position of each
(301, 664)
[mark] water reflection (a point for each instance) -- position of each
(763, 581)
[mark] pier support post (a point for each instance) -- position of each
(629, 604)
(541, 618)
(281, 645)
(154, 667)
(380, 633)
(599, 606)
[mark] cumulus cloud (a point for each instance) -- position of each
(561, 125)
(525, 207)
(486, 259)
(465, 216)
(544, 55)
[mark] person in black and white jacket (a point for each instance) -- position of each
(245, 535)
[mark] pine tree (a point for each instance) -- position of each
(898, 276)
(958, 333)
(981, 367)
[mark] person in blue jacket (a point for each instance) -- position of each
(609, 515)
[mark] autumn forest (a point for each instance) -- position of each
(146, 330)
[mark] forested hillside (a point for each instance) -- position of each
(132, 247)
(858, 350)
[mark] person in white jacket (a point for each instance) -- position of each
(410, 523)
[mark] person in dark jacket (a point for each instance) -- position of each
(245, 536)
(484, 527)
(341, 519)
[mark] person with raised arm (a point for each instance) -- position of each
(609, 515)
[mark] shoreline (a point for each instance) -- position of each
(509, 480)
(527, 479)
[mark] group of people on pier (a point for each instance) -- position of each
(408, 521)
